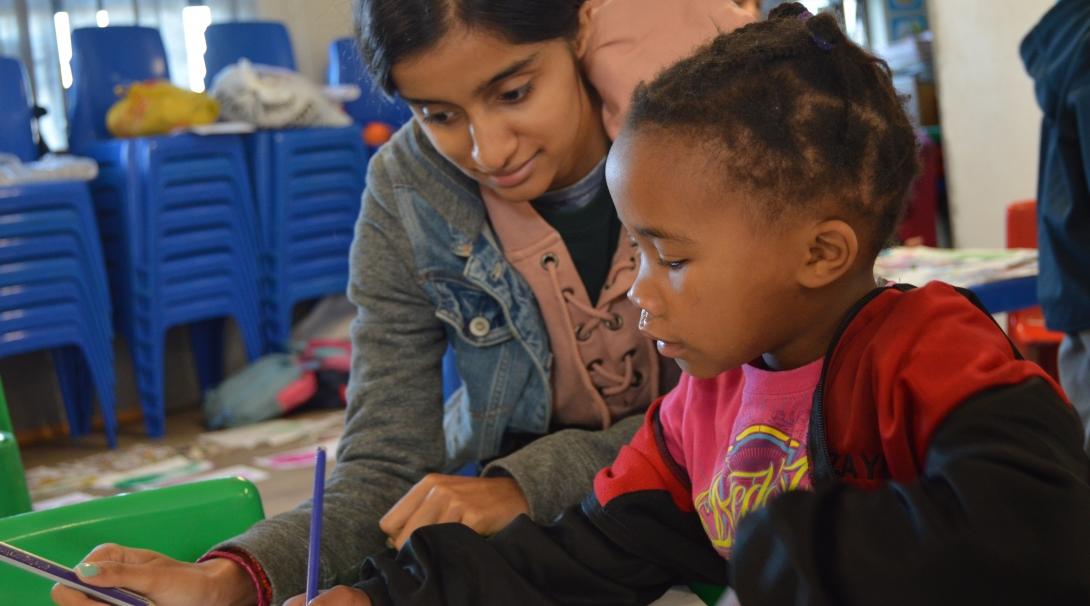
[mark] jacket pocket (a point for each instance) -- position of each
(474, 315)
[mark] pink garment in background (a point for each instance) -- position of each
(624, 42)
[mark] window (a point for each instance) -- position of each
(38, 32)
(850, 13)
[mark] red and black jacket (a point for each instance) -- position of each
(946, 471)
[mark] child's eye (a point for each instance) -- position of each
(518, 94)
(673, 265)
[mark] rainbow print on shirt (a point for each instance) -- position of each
(760, 463)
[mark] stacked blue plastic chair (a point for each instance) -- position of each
(308, 184)
(262, 42)
(53, 289)
(176, 217)
(346, 67)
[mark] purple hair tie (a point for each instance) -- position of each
(821, 43)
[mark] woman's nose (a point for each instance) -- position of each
(494, 145)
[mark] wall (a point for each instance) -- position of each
(313, 25)
(989, 116)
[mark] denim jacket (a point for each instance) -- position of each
(426, 270)
(485, 309)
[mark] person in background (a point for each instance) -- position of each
(831, 442)
(1056, 54)
(486, 225)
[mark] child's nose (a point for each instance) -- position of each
(642, 294)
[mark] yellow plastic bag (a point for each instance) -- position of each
(158, 107)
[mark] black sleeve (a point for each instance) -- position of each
(1001, 515)
(627, 551)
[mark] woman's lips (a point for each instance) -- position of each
(516, 177)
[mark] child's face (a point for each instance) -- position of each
(516, 118)
(718, 289)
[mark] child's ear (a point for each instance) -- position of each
(832, 248)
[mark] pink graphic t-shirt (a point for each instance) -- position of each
(741, 437)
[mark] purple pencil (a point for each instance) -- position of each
(314, 552)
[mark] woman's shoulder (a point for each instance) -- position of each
(408, 160)
(408, 167)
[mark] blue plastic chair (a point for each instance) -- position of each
(263, 42)
(346, 67)
(175, 214)
(53, 297)
(307, 184)
(53, 293)
(16, 116)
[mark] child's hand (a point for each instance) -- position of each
(484, 504)
(341, 595)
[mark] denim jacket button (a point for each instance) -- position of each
(479, 326)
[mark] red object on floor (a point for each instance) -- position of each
(1027, 327)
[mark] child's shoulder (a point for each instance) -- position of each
(932, 317)
(933, 343)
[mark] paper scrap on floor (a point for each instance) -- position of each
(274, 433)
(245, 472)
(297, 458)
(47, 481)
(152, 475)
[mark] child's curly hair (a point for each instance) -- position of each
(799, 115)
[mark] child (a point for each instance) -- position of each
(831, 442)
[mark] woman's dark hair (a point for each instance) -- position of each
(797, 114)
(389, 31)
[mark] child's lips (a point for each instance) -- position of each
(669, 349)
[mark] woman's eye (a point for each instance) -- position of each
(516, 95)
(436, 117)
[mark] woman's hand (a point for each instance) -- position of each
(341, 595)
(165, 581)
(484, 504)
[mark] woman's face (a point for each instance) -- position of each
(514, 117)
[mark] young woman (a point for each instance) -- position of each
(485, 226)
